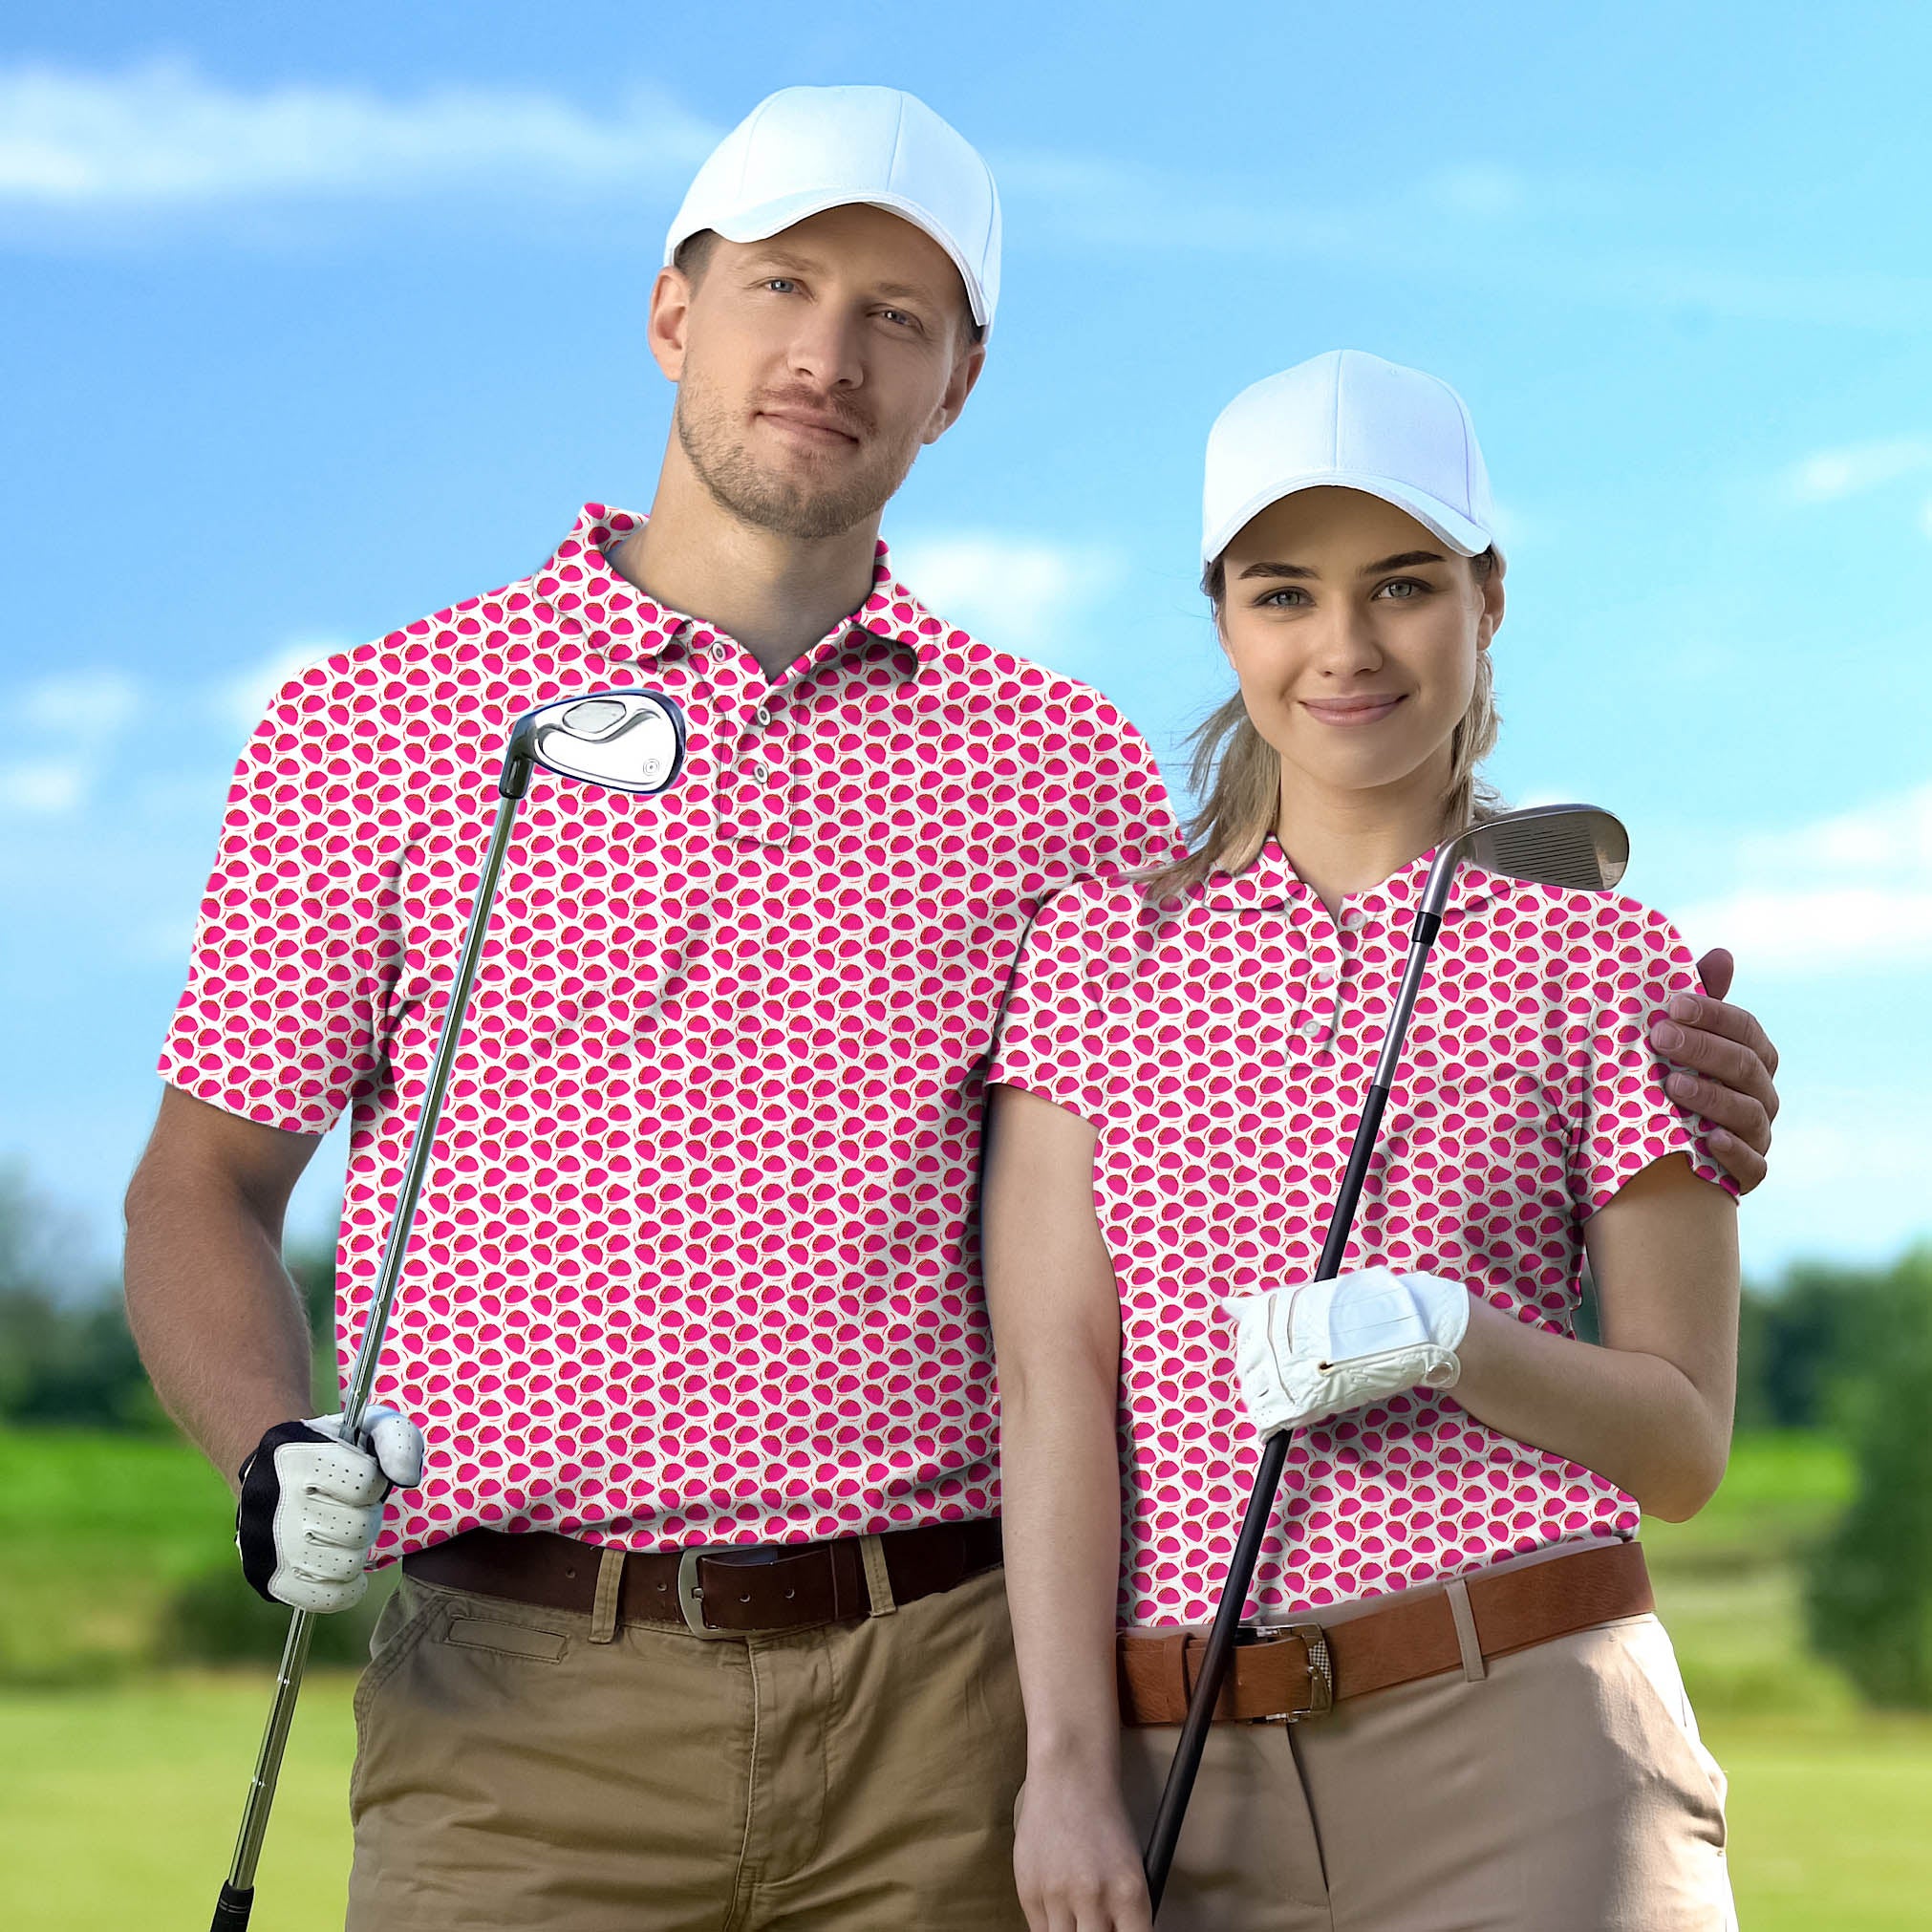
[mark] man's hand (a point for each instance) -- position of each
(1725, 1064)
(311, 1505)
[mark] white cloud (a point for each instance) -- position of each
(90, 707)
(1827, 475)
(65, 726)
(1480, 191)
(241, 699)
(166, 134)
(1016, 592)
(1848, 892)
(46, 787)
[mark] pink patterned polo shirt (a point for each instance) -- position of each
(1223, 1048)
(693, 1264)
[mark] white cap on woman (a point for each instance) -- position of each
(1349, 421)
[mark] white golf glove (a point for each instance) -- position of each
(311, 1505)
(1314, 1349)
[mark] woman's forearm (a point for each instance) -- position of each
(1631, 1416)
(1061, 1504)
(1056, 1333)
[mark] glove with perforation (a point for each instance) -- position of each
(311, 1505)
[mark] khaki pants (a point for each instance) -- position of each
(510, 1772)
(1565, 1791)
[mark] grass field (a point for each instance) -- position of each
(125, 1783)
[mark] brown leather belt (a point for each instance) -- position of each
(1297, 1671)
(712, 1593)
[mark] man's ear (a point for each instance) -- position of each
(966, 369)
(670, 320)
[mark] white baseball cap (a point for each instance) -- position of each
(1349, 421)
(805, 149)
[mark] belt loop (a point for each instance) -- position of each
(878, 1580)
(604, 1606)
(1474, 1670)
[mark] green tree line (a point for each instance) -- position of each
(1825, 1346)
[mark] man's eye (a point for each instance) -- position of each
(783, 285)
(900, 317)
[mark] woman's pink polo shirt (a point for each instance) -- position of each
(1222, 1044)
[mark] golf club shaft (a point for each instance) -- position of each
(1166, 1832)
(238, 1893)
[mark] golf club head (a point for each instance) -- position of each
(1579, 846)
(628, 741)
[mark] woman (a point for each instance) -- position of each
(1177, 1078)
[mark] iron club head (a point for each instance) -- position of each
(1577, 846)
(630, 740)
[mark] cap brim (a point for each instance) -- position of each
(1465, 538)
(771, 218)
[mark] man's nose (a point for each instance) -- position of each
(826, 348)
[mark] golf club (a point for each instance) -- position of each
(628, 741)
(1572, 845)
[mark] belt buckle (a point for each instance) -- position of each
(690, 1598)
(1320, 1672)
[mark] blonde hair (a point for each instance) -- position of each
(1236, 773)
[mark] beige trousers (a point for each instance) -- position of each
(513, 1771)
(1564, 1790)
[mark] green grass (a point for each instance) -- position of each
(125, 1784)
(98, 1529)
(119, 1806)
(132, 1796)
(1730, 1586)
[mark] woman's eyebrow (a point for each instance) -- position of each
(1400, 561)
(1275, 570)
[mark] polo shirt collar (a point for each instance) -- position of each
(588, 594)
(1271, 881)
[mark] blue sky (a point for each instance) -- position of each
(315, 325)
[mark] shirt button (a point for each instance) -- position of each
(760, 773)
(765, 713)
(1323, 976)
(1352, 921)
(721, 652)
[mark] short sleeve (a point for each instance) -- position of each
(1631, 960)
(298, 941)
(1052, 1036)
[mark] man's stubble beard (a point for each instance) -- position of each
(739, 486)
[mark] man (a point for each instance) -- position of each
(693, 1267)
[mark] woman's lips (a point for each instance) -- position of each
(1350, 710)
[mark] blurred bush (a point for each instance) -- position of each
(1869, 1583)
(66, 1355)
(213, 1616)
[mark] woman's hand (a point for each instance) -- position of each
(1074, 1856)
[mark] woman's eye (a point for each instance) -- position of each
(1401, 590)
(1285, 598)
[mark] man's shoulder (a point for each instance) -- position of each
(445, 647)
(1047, 712)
